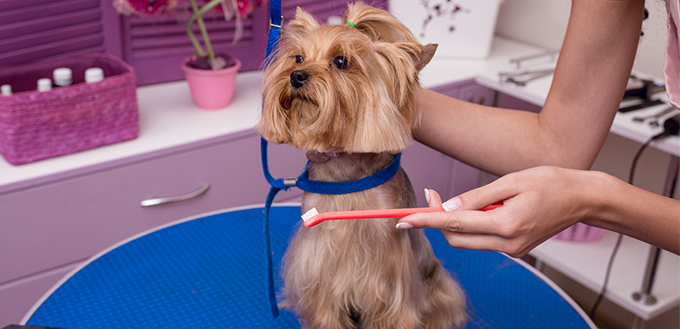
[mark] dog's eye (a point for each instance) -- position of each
(299, 59)
(340, 63)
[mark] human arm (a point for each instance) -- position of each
(589, 82)
(540, 202)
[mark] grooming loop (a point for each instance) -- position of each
(289, 182)
(278, 26)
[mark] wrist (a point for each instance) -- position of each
(600, 199)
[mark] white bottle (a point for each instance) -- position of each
(6, 90)
(44, 84)
(63, 76)
(94, 74)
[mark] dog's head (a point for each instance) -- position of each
(341, 87)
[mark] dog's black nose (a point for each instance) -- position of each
(298, 78)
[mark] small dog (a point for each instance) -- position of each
(351, 90)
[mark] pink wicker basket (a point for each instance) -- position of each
(38, 125)
(581, 232)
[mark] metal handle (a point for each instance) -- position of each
(160, 201)
(551, 53)
(524, 77)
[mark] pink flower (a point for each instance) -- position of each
(244, 7)
(144, 7)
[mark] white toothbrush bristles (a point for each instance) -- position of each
(309, 214)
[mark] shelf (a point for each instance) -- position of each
(586, 263)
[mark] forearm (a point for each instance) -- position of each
(590, 78)
(624, 208)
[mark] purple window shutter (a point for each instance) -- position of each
(155, 46)
(35, 30)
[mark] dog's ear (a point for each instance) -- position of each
(420, 55)
(424, 56)
(303, 22)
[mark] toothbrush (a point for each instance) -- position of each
(313, 217)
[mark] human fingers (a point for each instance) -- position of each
(433, 198)
(472, 241)
(450, 221)
(497, 191)
(455, 221)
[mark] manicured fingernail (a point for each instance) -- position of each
(404, 226)
(452, 204)
(427, 195)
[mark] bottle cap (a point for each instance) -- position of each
(63, 76)
(94, 74)
(44, 84)
(6, 90)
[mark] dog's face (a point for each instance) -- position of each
(344, 88)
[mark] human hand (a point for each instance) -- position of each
(537, 204)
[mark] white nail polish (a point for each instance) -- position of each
(452, 204)
(404, 226)
(427, 195)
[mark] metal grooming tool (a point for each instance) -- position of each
(655, 117)
(645, 104)
(655, 123)
(552, 55)
(523, 77)
(646, 91)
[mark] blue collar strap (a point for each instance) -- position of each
(305, 184)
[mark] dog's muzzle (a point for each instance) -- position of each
(298, 78)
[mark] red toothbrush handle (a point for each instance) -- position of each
(493, 206)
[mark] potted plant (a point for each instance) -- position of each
(211, 76)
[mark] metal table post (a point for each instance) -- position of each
(644, 296)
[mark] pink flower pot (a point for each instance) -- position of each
(211, 89)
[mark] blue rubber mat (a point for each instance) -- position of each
(211, 273)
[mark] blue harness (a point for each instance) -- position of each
(302, 182)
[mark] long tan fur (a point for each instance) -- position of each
(357, 273)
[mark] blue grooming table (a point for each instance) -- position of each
(210, 272)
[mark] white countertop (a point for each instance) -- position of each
(536, 91)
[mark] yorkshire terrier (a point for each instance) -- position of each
(350, 90)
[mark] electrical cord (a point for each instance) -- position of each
(671, 127)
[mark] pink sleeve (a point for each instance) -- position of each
(672, 63)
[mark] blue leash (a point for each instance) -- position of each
(302, 182)
(275, 23)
